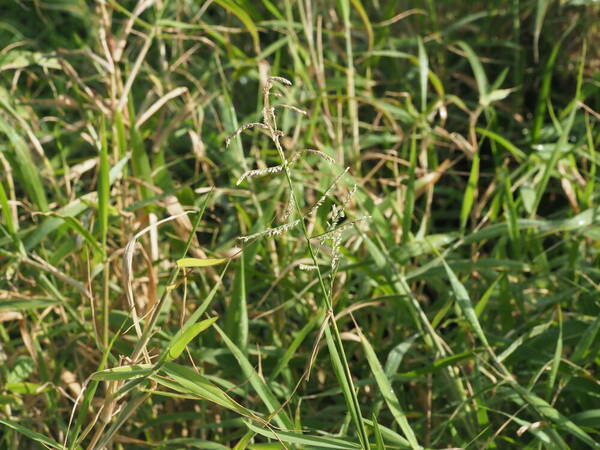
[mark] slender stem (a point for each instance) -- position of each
(269, 119)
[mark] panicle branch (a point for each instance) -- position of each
(258, 173)
(243, 128)
(270, 232)
(320, 202)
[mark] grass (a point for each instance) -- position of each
(297, 224)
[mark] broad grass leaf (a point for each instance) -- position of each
(123, 372)
(200, 262)
(178, 345)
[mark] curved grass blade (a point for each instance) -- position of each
(178, 345)
(480, 76)
(261, 388)
(28, 174)
(465, 304)
(297, 438)
(387, 391)
(186, 380)
(38, 437)
(244, 18)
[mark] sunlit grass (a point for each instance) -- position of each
(299, 224)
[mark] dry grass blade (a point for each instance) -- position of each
(159, 104)
(128, 272)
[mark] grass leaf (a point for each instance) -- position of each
(302, 439)
(198, 262)
(38, 437)
(387, 391)
(177, 346)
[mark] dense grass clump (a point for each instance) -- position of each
(299, 224)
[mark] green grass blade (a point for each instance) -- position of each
(8, 219)
(293, 347)
(389, 435)
(586, 341)
(480, 76)
(551, 414)
(21, 160)
(103, 187)
(409, 202)
(539, 115)
(123, 372)
(261, 388)
(557, 355)
(464, 302)
(244, 18)
(513, 149)
(130, 407)
(562, 141)
(340, 367)
(303, 439)
(186, 380)
(38, 437)
(423, 73)
(18, 304)
(387, 391)
(379, 444)
(470, 192)
(177, 346)
(199, 262)
(364, 16)
(236, 319)
(540, 13)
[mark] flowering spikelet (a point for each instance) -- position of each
(307, 267)
(296, 155)
(334, 236)
(258, 173)
(280, 80)
(337, 212)
(341, 228)
(269, 120)
(329, 189)
(294, 158)
(323, 155)
(270, 232)
(336, 244)
(269, 85)
(289, 208)
(243, 128)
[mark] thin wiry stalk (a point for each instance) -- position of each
(269, 119)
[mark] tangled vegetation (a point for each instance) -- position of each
(299, 224)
